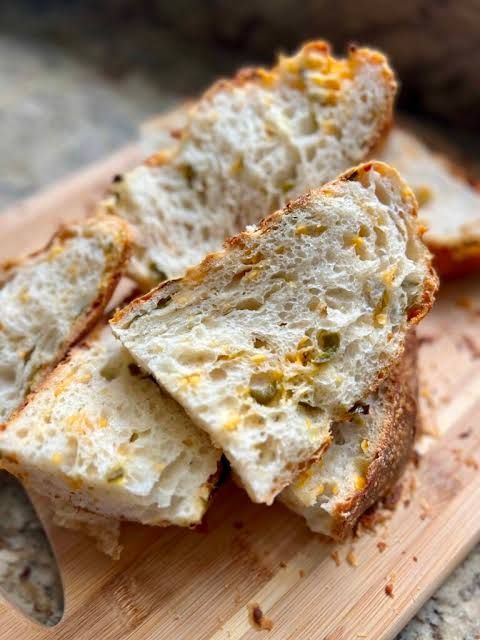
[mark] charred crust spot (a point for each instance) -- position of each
(117, 178)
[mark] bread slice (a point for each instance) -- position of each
(100, 435)
(251, 144)
(52, 297)
(449, 204)
(268, 341)
(367, 454)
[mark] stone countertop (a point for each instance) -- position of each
(69, 96)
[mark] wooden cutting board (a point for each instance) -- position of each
(178, 584)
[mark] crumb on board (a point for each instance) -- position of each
(258, 619)
(335, 557)
(465, 434)
(415, 559)
(352, 558)
(425, 509)
(301, 573)
(389, 589)
(381, 546)
(470, 461)
(283, 565)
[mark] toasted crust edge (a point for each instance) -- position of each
(256, 75)
(400, 393)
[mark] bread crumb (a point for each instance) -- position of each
(381, 546)
(301, 573)
(415, 559)
(471, 462)
(258, 619)
(283, 565)
(389, 589)
(335, 557)
(425, 512)
(352, 558)
(465, 434)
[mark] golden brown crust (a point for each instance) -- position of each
(399, 394)
(269, 77)
(116, 262)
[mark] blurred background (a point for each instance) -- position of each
(79, 77)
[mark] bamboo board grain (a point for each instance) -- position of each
(197, 585)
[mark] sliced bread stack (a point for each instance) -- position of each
(274, 346)
(271, 340)
(94, 434)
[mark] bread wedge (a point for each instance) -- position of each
(99, 434)
(49, 299)
(270, 340)
(251, 144)
(449, 205)
(368, 452)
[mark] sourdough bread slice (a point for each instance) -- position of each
(52, 297)
(270, 340)
(448, 205)
(101, 435)
(251, 144)
(367, 454)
